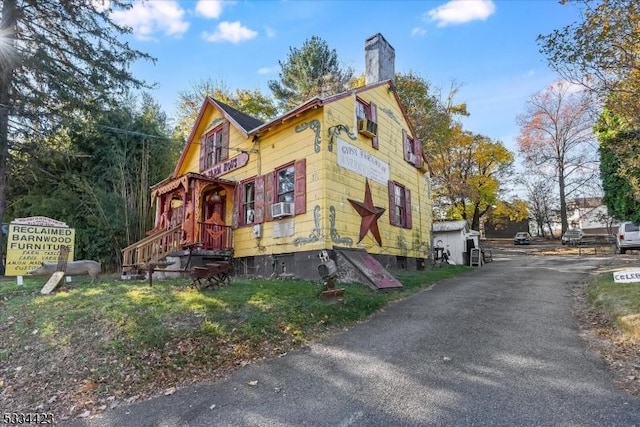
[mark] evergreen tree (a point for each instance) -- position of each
(312, 70)
(59, 61)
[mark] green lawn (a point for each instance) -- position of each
(86, 345)
(619, 301)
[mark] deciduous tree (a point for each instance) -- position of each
(251, 102)
(556, 139)
(601, 52)
(467, 173)
(619, 166)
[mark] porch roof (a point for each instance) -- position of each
(170, 184)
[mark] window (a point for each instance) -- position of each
(259, 195)
(412, 148)
(248, 202)
(285, 184)
(367, 120)
(363, 109)
(399, 205)
(215, 147)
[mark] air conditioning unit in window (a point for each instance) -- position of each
(411, 158)
(282, 209)
(367, 127)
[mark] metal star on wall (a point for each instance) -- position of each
(369, 214)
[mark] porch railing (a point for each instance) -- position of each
(214, 236)
(152, 248)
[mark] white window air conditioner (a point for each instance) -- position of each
(411, 158)
(282, 209)
(367, 127)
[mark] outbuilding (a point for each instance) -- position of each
(456, 238)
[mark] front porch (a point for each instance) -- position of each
(191, 219)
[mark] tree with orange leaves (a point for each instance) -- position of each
(557, 140)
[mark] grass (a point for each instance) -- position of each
(619, 301)
(88, 346)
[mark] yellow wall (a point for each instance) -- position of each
(328, 185)
(345, 184)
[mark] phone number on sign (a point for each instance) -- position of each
(18, 418)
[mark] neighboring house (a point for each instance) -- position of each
(456, 238)
(590, 215)
(339, 173)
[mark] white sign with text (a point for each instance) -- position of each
(627, 276)
(359, 161)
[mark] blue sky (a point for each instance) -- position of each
(487, 47)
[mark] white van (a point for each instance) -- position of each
(628, 236)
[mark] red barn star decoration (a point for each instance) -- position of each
(369, 214)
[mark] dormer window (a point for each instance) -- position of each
(215, 147)
(367, 120)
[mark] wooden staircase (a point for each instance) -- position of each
(151, 249)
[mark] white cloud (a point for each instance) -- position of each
(266, 70)
(461, 11)
(209, 8)
(233, 32)
(151, 17)
(418, 31)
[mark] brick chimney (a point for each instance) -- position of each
(379, 59)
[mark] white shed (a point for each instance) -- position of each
(457, 238)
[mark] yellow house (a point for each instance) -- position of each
(343, 174)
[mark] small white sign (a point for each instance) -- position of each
(627, 276)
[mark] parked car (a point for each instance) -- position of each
(628, 236)
(522, 238)
(572, 237)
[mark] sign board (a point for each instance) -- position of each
(32, 241)
(359, 161)
(475, 257)
(228, 165)
(627, 276)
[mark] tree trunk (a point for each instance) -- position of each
(7, 66)
(563, 200)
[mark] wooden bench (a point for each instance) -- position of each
(214, 274)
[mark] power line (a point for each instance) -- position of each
(132, 132)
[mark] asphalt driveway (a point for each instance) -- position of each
(496, 347)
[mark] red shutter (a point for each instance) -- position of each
(269, 194)
(300, 188)
(392, 207)
(407, 207)
(237, 203)
(374, 118)
(203, 152)
(419, 153)
(224, 141)
(406, 146)
(258, 205)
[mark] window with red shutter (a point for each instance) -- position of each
(367, 119)
(399, 205)
(412, 148)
